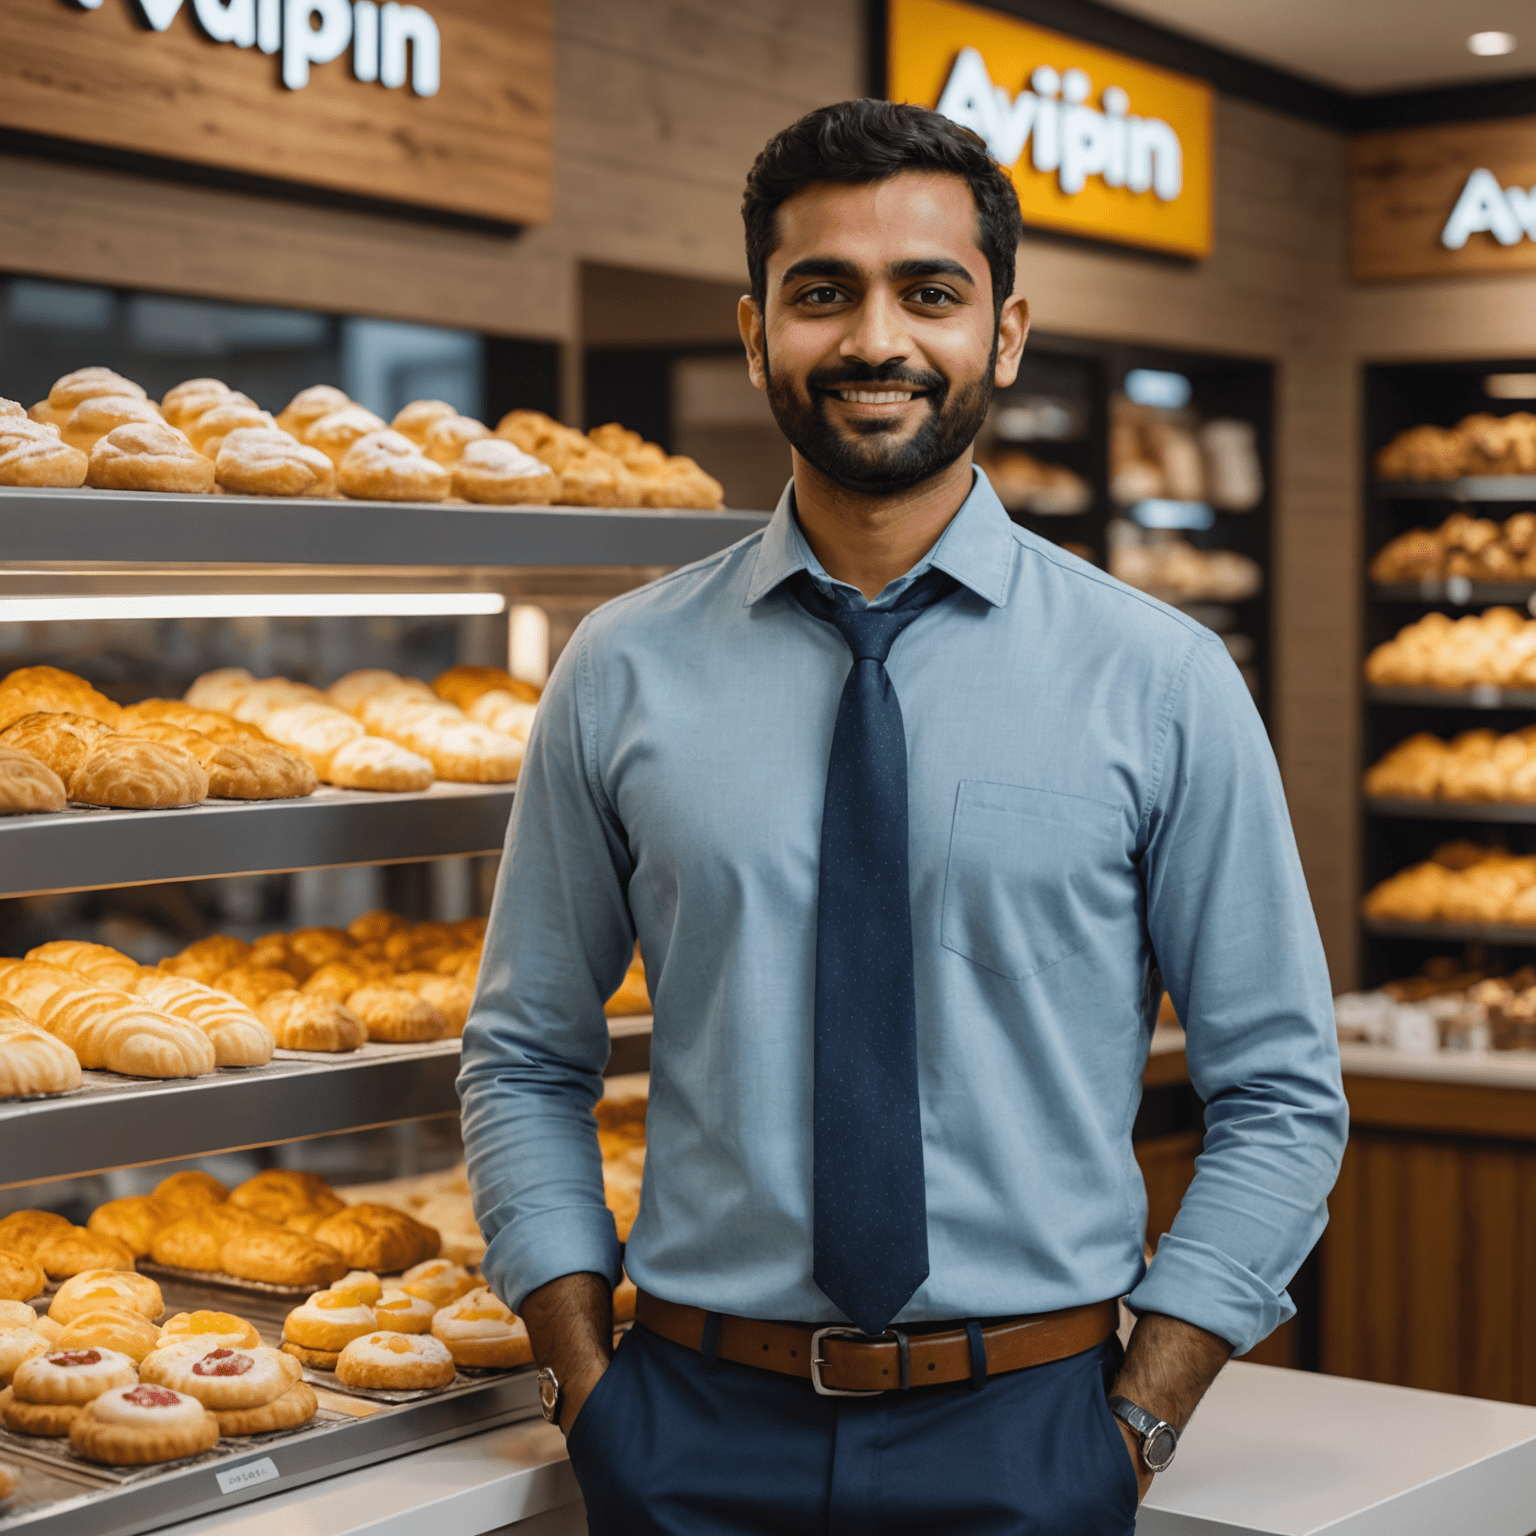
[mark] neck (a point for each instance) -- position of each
(868, 541)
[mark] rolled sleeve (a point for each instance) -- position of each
(558, 942)
(1237, 944)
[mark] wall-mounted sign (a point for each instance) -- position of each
(1457, 198)
(1098, 144)
(446, 105)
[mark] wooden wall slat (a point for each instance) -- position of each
(1490, 1281)
(1342, 1271)
(1380, 1322)
(1430, 1257)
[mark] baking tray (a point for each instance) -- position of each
(217, 1280)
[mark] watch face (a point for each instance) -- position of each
(549, 1392)
(1159, 1448)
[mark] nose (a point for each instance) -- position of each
(877, 330)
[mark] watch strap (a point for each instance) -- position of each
(553, 1408)
(1147, 1426)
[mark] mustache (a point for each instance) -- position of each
(853, 374)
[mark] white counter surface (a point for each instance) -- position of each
(1489, 1069)
(1271, 1453)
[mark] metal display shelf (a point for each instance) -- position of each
(1458, 591)
(81, 850)
(1467, 488)
(144, 528)
(1452, 933)
(1484, 696)
(1450, 810)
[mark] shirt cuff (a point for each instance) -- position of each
(1201, 1285)
(535, 1249)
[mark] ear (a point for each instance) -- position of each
(749, 321)
(1012, 332)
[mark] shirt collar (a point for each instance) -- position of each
(977, 549)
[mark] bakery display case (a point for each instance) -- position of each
(69, 545)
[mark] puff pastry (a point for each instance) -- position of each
(53, 690)
(451, 996)
(252, 985)
(191, 398)
(92, 419)
(126, 1332)
(148, 456)
(329, 1320)
(190, 1188)
(208, 431)
(416, 419)
(276, 1193)
(207, 958)
(20, 1278)
(139, 1426)
(395, 1360)
(32, 1061)
(133, 774)
(277, 1256)
(385, 466)
(215, 726)
(335, 434)
(374, 926)
(255, 461)
(239, 1038)
(78, 1252)
(495, 472)
(446, 439)
(86, 384)
(34, 455)
(303, 1022)
(61, 740)
(378, 1237)
(308, 406)
(98, 963)
(438, 1281)
(134, 1220)
(395, 1015)
(16, 1346)
(481, 1330)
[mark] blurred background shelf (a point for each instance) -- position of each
(1452, 933)
(1450, 810)
(1484, 696)
(1467, 488)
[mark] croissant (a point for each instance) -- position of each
(114, 1032)
(302, 1022)
(28, 984)
(195, 1241)
(277, 1256)
(239, 1038)
(31, 1060)
(396, 1015)
(275, 1194)
(133, 1220)
(378, 1238)
(207, 958)
(98, 963)
(26, 785)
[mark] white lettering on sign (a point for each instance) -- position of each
(253, 1472)
(1066, 134)
(382, 37)
(1484, 207)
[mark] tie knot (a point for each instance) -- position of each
(871, 632)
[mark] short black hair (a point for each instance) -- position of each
(868, 140)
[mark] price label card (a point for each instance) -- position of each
(253, 1472)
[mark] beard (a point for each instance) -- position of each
(866, 457)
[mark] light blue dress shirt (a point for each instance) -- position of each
(1093, 801)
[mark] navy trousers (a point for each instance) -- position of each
(669, 1444)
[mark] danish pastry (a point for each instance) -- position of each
(363, 1284)
(101, 1290)
(208, 431)
(190, 1187)
(266, 461)
(384, 466)
(18, 1345)
(47, 1391)
(277, 1256)
(211, 1330)
(395, 1360)
(329, 1320)
(446, 439)
(191, 398)
(78, 1252)
(92, 419)
(276, 1193)
(138, 1426)
(308, 406)
(221, 1377)
(24, 1232)
(396, 1016)
(17, 1314)
(438, 1281)
(239, 1038)
(400, 1312)
(378, 1237)
(134, 1220)
(32, 1062)
(148, 456)
(39, 457)
(481, 1330)
(493, 471)
(335, 434)
(414, 420)
(126, 1332)
(98, 963)
(49, 1329)
(298, 1405)
(302, 1022)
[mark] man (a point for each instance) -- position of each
(913, 814)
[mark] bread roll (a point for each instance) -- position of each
(113, 1032)
(133, 774)
(397, 1016)
(494, 471)
(239, 1038)
(274, 1194)
(53, 689)
(148, 456)
(133, 1219)
(91, 420)
(206, 958)
(259, 461)
(308, 406)
(378, 1237)
(277, 1256)
(416, 419)
(27, 785)
(32, 454)
(303, 1022)
(63, 741)
(190, 1188)
(78, 1252)
(31, 1060)
(384, 466)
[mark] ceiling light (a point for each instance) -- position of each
(244, 605)
(1489, 45)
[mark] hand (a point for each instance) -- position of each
(1133, 1445)
(577, 1392)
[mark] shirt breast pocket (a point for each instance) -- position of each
(1033, 876)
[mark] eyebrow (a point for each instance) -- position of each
(917, 266)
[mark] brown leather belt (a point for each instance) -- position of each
(839, 1361)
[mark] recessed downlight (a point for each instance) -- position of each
(1490, 45)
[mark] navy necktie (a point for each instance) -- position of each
(870, 1230)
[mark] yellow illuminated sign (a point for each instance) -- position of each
(1098, 144)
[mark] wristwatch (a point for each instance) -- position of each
(1159, 1439)
(552, 1394)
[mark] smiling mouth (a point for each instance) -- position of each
(876, 396)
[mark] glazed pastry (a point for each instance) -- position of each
(493, 471)
(56, 689)
(245, 770)
(329, 1320)
(32, 1062)
(363, 1284)
(23, 1232)
(397, 1016)
(137, 775)
(78, 1252)
(196, 1240)
(27, 785)
(62, 739)
(276, 1193)
(126, 1332)
(18, 1345)
(35, 455)
(265, 461)
(211, 1330)
(491, 696)
(438, 1281)
(191, 1187)
(133, 1220)
(208, 431)
(378, 1237)
(384, 466)
(252, 985)
(395, 1360)
(277, 1256)
(480, 1330)
(416, 419)
(400, 1312)
(138, 1426)
(447, 438)
(92, 419)
(190, 398)
(448, 994)
(114, 1032)
(308, 406)
(370, 762)
(148, 456)
(335, 434)
(100, 964)
(301, 1022)
(239, 1038)
(107, 1290)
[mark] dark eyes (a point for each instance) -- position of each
(924, 298)
(933, 298)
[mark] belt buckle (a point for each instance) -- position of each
(839, 1331)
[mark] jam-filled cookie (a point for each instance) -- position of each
(134, 1426)
(481, 1330)
(395, 1360)
(47, 1392)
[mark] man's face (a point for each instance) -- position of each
(878, 348)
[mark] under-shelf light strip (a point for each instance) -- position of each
(242, 605)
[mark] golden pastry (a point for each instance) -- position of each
(86, 384)
(446, 439)
(133, 1220)
(17, 1314)
(32, 1062)
(208, 431)
(276, 1193)
(92, 419)
(133, 774)
(398, 1361)
(191, 398)
(114, 1032)
(78, 1252)
(397, 1016)
(221, 1377)
(35, 456)
(238, 1037)
(49, 1390)
(318, 946)
(27, 785)
(495, 472)
(336, 979)
(56, 689)
(276, 1256)
(363, 1284)
(212, 1330)
(191, 1187)
(98, 963)
(217, 727)
(374, 926)
(18, 1345)
(252, 985)
(196, 1240)
(316, 1359)
(298, 1405)
(243, 770)
(139, 1426)
(265, 461)
(490, 696)
(370, 762)
(62, 740)
(24, 1232)
(334, 435)
(308, 406)
(126, 1332)
(400, 1312)
(438, 1281)
(148, 456)
(414, 420)
(328, 1320)
(378, 1237)
(480, 1330)
(451, 996)
(208, 957)
(49, 1329)
(384, 466)
(302, 1022)
(107, 1289)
